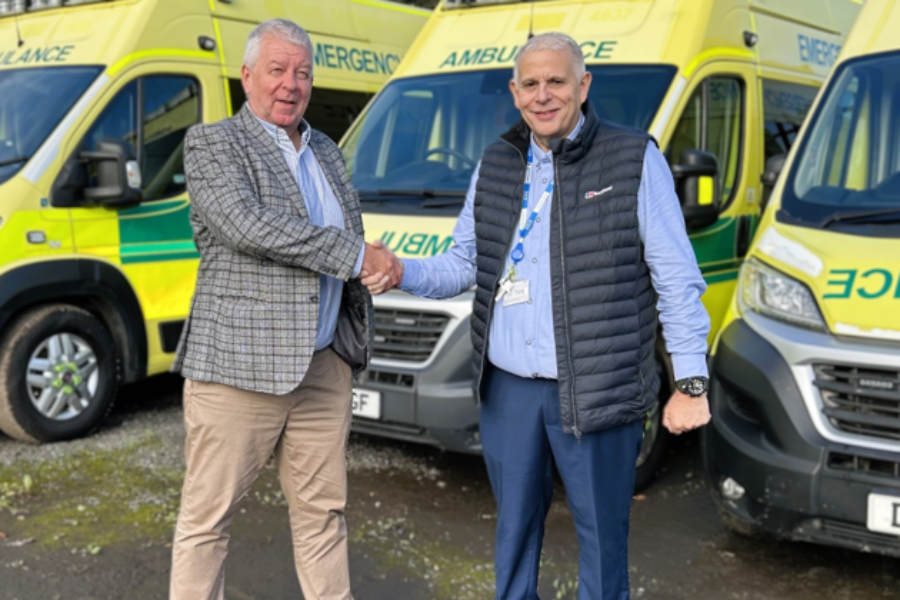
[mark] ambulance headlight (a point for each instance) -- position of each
(774, 294)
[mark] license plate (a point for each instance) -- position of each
(366, 403)
(884, 513)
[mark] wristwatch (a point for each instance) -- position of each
(693, 386)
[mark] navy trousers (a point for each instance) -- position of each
(522, 436)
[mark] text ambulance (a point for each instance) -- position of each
(805, 436)
(723, 85)
(97, 262)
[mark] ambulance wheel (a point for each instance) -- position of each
(656, 437)
(58, 374)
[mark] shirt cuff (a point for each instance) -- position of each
(689, 365)
(359, 261)
(412, 275)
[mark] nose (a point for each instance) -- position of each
(543, 93)
(289, 82)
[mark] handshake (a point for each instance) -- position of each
(381, 270)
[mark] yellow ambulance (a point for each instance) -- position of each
(723, 85)
(97, 262)
(805, 436)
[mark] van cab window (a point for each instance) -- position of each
(119, 119)
(711, 121)
(785, 106)
(152, 114)
(848, 173)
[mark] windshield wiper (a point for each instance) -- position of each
(14, 161)
(862, 215)
(442, 202)
(433, 198)
(424, 193)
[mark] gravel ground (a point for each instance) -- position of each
(154, 409)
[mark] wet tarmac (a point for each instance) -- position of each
(421, 524)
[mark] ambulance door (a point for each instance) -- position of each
(715, 119)
(150, 110)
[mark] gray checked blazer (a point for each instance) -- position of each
(255, 310)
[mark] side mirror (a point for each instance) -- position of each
(695, 184)
(117, 173)
(774, 166)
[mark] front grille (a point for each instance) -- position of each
(404, 380)
(864, 465)
(406, 335)
(861, 400)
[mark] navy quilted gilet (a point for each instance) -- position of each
(604, 306)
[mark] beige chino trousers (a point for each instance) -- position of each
(231, 434)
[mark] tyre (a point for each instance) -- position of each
(58, 374)
(656, 437)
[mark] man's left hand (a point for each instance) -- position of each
(684, 413)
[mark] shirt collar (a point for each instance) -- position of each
(280, 135)
(543, 156)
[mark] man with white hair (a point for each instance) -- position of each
(278, 323)
(570, 230)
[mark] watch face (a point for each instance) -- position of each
(693, 386)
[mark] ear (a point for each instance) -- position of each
(585, 85)
(515, 93)
(245, 79)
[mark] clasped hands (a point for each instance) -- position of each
(381, 270)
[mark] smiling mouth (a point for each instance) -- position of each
(545, 115)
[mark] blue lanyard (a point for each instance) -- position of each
(526, 221)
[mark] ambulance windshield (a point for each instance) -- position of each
(847, 174)
(32, 103)
(424, 135)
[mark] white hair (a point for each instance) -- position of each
(553, 41)
(284, 30)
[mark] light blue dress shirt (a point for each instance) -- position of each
(324, 211)
(522, 340)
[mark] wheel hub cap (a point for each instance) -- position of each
(62, 376)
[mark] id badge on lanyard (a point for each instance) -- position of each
(511, 289)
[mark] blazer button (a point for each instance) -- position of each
(314, 299)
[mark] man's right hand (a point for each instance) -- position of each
(381, 270)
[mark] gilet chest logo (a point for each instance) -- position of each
(590, 195)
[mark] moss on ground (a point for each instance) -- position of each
(93, 498)
(450, 570)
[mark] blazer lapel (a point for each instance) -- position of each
(270, 155)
